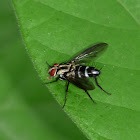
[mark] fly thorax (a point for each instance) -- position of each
(63, 69)
(73, 67)
(62, 77)
(70, 74)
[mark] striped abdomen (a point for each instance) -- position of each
(86, 71)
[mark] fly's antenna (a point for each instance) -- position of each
(48, 64)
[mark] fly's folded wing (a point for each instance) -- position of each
(83, 83)
(90, 53)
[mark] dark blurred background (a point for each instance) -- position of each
(27, 109)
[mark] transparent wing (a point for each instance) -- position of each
(83, 83)
(91, 52)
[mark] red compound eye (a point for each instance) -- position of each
(52, 72)
(55, 64)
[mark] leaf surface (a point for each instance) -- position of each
(56, 30)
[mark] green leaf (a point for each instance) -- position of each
(27, 109)
(56, 30)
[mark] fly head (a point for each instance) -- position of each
(53, 70)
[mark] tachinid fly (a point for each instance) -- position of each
(78, 74)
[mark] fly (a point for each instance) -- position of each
(76, 73)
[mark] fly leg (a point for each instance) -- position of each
(66, 94)
(89, 96)
(100, 86)
(50, 82)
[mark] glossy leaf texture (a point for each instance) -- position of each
(56, 30)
